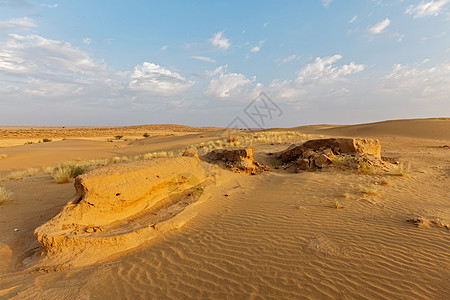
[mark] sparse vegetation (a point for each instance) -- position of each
(337, 204)
(370, 189)
(46, 140)
(365, 167)
(402, 169)
(21, 174)
(146, 135)
(118, 137)
(64, 172)
(28, 143)
(5, 195)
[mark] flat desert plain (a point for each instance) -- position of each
(322, 233)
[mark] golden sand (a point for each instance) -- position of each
(272, 235)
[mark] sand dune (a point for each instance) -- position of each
(418, 128)
(273, 235)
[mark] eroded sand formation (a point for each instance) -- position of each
(119, 207)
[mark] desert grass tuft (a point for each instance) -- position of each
(5, 195)
(21, 174)
(64, 172)
(370, 190)
(337, 204)
(402, 169)
(364, 167)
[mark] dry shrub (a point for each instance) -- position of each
(5, 195)
(370, 189)
(21, 174)
(64, 172)
(402, 169)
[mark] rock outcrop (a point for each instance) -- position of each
(238, 160)
(121, 206)
(335, 145)
(362, 154)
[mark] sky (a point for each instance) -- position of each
(259, 63)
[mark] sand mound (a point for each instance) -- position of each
(120, 207)
(238, 160)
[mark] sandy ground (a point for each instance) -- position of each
(272, 236)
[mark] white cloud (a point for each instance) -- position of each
(219, 41)
(17, 23)
(322, 71)
(380, 27)
(164, 48)
(258, 47)
(426, 8)
(427, 84)
(204, 58)
(227, 85)
(326, 3)
(50, 5)
(154, 79)
(352, 20)
(216, 71)
(33, 54)
(290, 58)
(87, 41)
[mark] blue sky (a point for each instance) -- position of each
(79, 62)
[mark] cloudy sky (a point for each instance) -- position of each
(84, 62)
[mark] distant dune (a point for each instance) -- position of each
(436, 128)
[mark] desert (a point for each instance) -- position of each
(225, 149)
(207, 219)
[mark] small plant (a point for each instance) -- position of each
(402, 169)
(5, 195)
(46, 140)
(148, 156)
(337, 204)
(64, 172)
(116, 159)
(146, 135)
(109, 140)
(28, 143)
(365, 167)
(118, 137)
(21, 174)
(370, 189)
